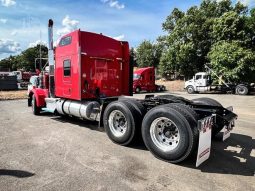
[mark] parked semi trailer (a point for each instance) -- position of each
(89, 74)
(144, 80)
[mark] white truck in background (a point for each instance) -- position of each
(202, 82)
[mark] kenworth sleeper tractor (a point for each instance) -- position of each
(88, 76)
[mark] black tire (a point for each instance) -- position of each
(190, 90)
(158, 88)
(29, 101)
(35, 109)
(192, 117)
(216, 128)
(131, 116)
(137, 90)
(242, 90)
(138, 114)
(185, 133)
(136, 104)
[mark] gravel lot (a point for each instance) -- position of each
(53, 153)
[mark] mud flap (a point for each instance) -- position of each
(205, 134)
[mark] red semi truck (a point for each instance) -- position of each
(89, 74)
(144, 80)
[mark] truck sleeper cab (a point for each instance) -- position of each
(144, 80)
(92, 73)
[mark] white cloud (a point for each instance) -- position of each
(114, 4)
(120, 37)
(9, 46)
(68, 26)
(13, 33)
(246, 2)
(3, 21)
(8, 3)
(33, 44)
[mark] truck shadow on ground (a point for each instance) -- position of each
(16, 173)
(231, 157)
(92, 125)
(234, 156)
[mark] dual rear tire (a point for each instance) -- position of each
(168, 131)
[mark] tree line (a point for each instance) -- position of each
(217, 33)
(25, 60)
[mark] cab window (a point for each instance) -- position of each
(65, 41)
(136, 76)
(198, 77)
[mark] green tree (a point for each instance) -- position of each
(233, 61)
(148, 54)
(192, 34)
(27, 57)
(132, 57)
(25, 60)
(230, 26)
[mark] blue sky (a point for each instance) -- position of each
(133, 20)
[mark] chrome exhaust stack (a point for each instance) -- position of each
(51, 59)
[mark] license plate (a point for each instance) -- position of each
(205, 134)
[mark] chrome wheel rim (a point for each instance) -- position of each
(164, 134)
(241, 90)
(117, 123)
(190, 90)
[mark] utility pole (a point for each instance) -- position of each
(40, 50)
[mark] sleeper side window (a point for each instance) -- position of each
(67, 67)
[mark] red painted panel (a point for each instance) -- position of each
(147, 79)
(40, 95)
(126, 73)
(99, 67)
(105, 66)
(68, 86)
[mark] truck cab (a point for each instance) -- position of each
(200, 82)
(144, 79)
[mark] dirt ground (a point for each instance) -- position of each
(49, 152)
(172, 86)
(11, 95)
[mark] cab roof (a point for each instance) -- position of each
(141, 70)
(201, 73)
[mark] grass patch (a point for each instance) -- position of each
(12, 95)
